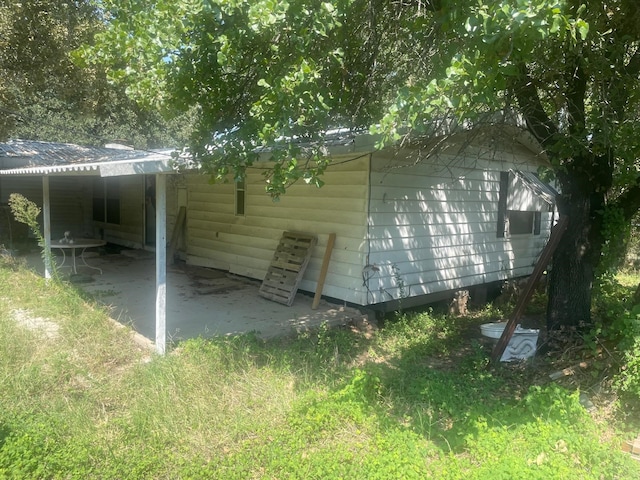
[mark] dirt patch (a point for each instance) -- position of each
(216, 286)
(45, 327)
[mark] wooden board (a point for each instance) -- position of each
(323, 270)
(287, 267)
(545, 257)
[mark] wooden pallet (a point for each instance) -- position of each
(287, 267)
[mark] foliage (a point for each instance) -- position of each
(272, 78)
(45, 96)
(27, 212)
(262, 73)
(616, 229)
(628, 380)
(616, 333)
(89, 403)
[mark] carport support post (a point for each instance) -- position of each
(46, 216)
(161, 263)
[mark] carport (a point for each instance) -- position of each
(45, 160)
(202, 301)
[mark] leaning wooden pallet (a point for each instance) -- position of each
(287, 267)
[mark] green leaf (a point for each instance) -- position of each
(583, 28)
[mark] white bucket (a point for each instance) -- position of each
(522, 344)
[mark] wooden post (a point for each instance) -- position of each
(161, 263)
(323, 270)
(545, 257)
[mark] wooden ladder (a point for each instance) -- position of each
(287, 267)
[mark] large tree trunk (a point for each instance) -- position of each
(578, 254)
(574, 262)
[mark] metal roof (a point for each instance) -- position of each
(545, 191)
(26, 157)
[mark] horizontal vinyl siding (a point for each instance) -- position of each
(130, 231)
(70, 198)
(30, 187)
(244, 245)
(71, 207)
(433, 222)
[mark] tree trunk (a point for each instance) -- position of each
(574, 262)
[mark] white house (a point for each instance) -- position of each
(412, 224)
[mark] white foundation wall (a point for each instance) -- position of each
(244, 244)
(433, 221)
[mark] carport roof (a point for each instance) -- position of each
(27, 157)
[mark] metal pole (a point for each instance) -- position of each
(161, 263)
(46, 215)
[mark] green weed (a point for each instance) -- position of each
(414, 401)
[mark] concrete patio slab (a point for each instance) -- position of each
(200, 301)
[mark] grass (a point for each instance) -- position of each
(412, 400)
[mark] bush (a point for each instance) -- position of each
(618, 330)
(628, 380)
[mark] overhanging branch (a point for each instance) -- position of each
(577, 88)
(538, 122)
(629, 201)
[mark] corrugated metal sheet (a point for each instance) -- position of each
(541, 189)
(26, 157)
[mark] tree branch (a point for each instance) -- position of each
(576, 91)
(538, 122)
(629, 201)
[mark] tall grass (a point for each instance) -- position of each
(415, 400)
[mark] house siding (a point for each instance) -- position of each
(131, 230)
(433, 222)
(72, 208)
(70, 202)
(244, 245)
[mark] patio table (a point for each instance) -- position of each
(80, 244)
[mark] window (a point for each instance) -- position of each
(523, 222)
(106, 200)
(240, 197)
(502, 204)
(521, 190)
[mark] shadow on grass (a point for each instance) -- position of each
(438, 390)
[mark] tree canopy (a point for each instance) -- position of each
(264, 72)
(45, 95)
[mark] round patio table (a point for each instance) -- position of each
(80, 244)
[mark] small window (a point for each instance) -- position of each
(520, 223)
(240, 197)
(515, 222)
(502, 204)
